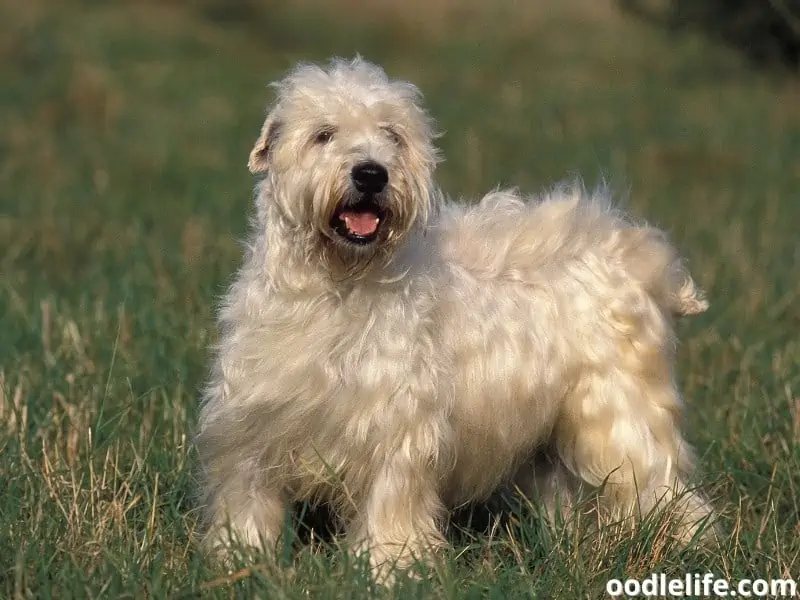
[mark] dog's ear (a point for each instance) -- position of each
(260, 154)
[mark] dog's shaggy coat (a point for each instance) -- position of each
(395, 354)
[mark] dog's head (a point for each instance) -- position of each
(349, 157)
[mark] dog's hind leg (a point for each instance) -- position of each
(618, 432)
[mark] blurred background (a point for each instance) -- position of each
(138, 113)
(125, 127)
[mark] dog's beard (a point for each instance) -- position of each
(355, 235)
(360, 219)
(361, 233)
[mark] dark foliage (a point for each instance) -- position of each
(766, 31)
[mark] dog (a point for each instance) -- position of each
(395, 354)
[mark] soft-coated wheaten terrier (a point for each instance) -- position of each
(394, 354)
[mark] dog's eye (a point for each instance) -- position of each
(393, 135)
(324, 136)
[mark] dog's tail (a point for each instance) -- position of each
(644, 252)
(689, 299)
(652, 259)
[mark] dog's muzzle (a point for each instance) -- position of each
(359, 216)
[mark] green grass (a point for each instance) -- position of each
(124, 133)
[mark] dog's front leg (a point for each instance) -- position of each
(244, 513)
(399, 520)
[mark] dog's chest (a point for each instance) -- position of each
(374, 388)
(350, 359)
(377, 348)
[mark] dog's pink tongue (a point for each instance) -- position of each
(360, 223)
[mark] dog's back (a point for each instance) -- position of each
(525, 238)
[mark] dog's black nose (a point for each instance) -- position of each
(369, 177)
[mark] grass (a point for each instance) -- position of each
(124, 132)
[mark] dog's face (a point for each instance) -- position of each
(349, 156)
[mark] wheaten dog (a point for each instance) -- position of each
(395, 355)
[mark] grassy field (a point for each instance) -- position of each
(124, 133)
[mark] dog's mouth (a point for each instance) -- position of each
(358, 222)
